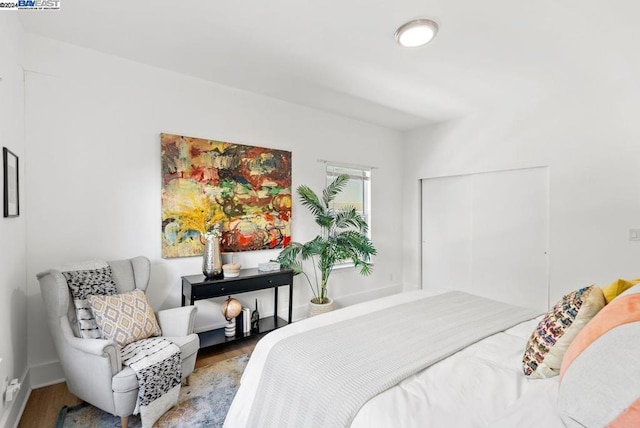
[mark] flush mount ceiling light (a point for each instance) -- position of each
(416, 33)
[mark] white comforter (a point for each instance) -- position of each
(480, 386)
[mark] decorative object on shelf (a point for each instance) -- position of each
(11, 189)
(212, 257)
(231, 270)
(255, 318)
(268, 266)
(246, 320)
(230, 329)
(343, 237)
(246, 189)
(231, 308)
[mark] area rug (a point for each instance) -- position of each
(204, 403)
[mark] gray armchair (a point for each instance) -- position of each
(92, 367)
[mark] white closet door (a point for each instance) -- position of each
(446, 231)
(498, 223)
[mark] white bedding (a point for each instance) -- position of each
(480, 386)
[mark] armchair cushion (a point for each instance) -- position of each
(125, 318)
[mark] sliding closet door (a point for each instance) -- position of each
(446, 232)
(487, 234)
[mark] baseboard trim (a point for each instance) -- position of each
(46, 374)
(300, 312)
(14, 412)
(376, 293)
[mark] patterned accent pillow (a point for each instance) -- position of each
(601, 368)
(82, 284)
(125, 318)
(554, 333)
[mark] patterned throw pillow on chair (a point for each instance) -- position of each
(84, 283)
(125, 318)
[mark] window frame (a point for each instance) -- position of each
(357, 172)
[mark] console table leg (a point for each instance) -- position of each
(275, 305)
(290, 299)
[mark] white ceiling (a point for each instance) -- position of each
(340, 55)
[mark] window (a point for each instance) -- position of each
(357, 192)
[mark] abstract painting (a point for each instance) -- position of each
(242, 192)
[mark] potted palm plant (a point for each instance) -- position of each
(342, 238)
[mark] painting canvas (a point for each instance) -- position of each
(244, 192)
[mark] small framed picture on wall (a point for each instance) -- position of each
(11, 196)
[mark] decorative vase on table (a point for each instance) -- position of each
(320, 308)
(212, 257)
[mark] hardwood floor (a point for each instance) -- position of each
(210, 356)
(44, 403)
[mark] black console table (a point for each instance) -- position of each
(197, 287)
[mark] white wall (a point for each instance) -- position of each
(93, 149)
(13, 288)
(589, 137)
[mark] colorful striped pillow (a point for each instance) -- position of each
(600, 373)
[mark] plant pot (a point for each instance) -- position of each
(320, 308)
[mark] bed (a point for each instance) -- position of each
(480, 385)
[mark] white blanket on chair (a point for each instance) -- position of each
(158, 366)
